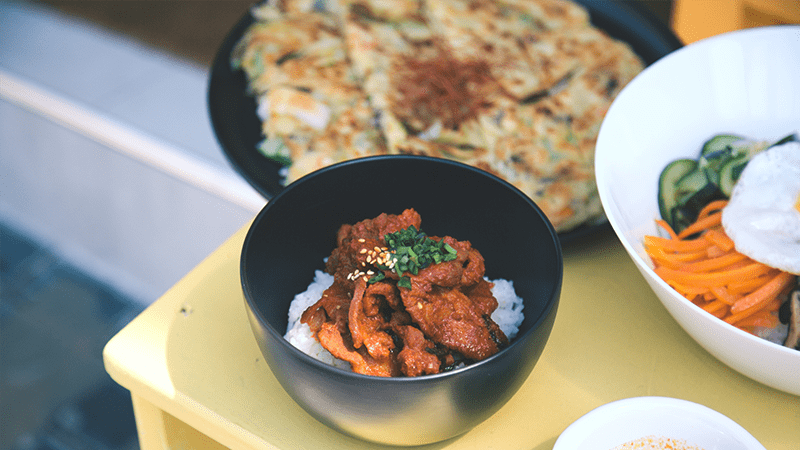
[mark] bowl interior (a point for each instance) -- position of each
(742, 82)
(293, 234)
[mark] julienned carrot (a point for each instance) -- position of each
(725, 295)
(764, 293)
(716, 278)
(746, 286)
(688, 291)
(663, 224)
(675, 245)
(761, 318)
(771, 307)
(676, 260)
(710, 272)
(719, 239)
(714, 252)
(714, 263)
(706, 223)
(712, 207)
(714, 306)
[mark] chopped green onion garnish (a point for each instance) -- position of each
(379, 277)
(412, 250)
(404, 282)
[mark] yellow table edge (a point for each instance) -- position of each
(572, 377)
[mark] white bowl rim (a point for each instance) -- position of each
(577, 432)
(643, 264)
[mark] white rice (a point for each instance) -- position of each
(508, 316)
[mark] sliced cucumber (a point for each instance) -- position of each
(789, 138)
(730, 172)
(719, 145)
(668, 194)
(687, 185)
(679, 218)
(701, 198)
(276, 150)
(688, 207)
(717, 151)
(712, 172)
(691, 183)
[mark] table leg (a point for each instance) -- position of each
(160, 430)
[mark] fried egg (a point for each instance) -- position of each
(763, 214)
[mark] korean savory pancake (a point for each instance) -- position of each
(545, 146)
(313, 111)
(518, 88)
(507, 36)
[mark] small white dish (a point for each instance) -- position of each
(693, 425)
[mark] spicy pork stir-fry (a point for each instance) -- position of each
(403, 303)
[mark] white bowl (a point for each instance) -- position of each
(623, 421)
(745, 82)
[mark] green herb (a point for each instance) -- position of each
(375, 278)
(412, 250)
(276, 150)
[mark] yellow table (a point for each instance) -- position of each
(198, 380)
(693, 20)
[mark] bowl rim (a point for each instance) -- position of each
(551, 303)
(605, 194)
(579, 430)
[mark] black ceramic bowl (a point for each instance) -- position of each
(297, 229)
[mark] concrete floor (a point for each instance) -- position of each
(54, 322)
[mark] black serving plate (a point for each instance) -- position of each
(238, 128)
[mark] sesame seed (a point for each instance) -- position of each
(363, 250)
(362, 240)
